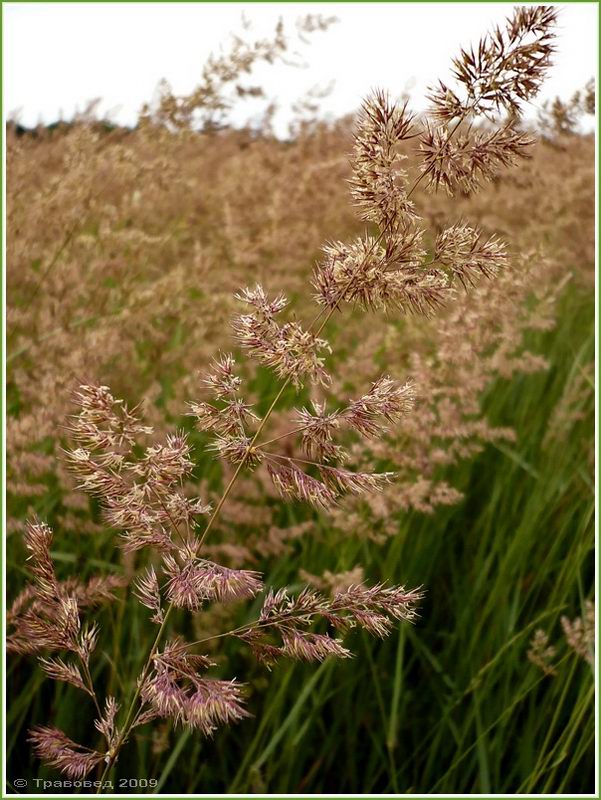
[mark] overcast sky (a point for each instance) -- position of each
(58, 56)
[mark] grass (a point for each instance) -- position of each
(451, 705)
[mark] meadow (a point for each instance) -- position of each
(125, 250)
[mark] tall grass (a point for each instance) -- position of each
(493, 509)
(450, 705)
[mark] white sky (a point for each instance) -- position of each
(57, 56)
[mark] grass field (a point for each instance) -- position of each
(451, 704)
(437, 451)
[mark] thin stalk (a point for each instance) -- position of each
(261, 445)
(334, 607)
(300, 460)
(171, 520)
(90, 685)
(130, 713)
(240, 466)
